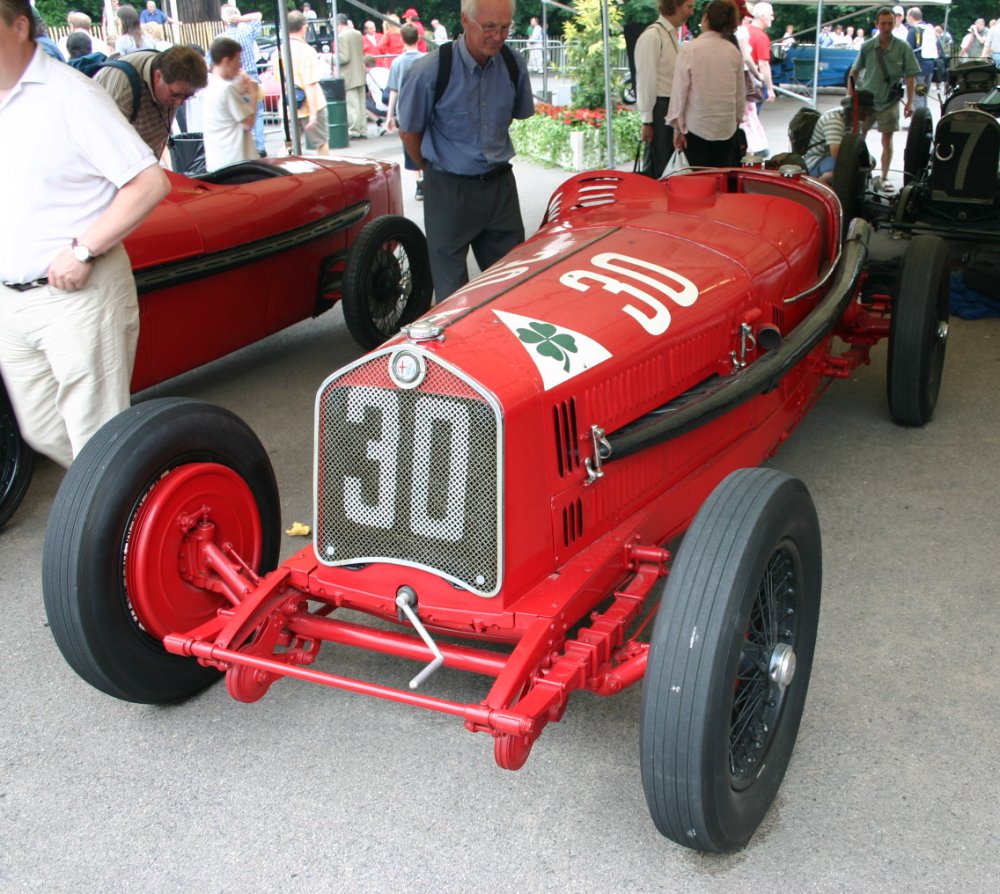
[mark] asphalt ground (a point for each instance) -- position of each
(892, 786)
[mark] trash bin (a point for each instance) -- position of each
(187, 154)
(336, 111)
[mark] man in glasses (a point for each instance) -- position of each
(164, 81)
(457, 130)
(75, 180)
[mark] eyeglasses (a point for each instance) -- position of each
(181, 94)
(494, 30)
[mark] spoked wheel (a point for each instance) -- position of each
(918, 335)
(628, 92)
(116, 570)
(17, 460)
(850, 176)
(387, 283)
(918, 145)
(729, 661)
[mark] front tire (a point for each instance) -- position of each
(918, 335)
(17, 460)
(111, 572)
(387, 282)
(729, 661)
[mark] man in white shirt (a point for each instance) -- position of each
(229, 107)
(439, 32)
(80, 21)
(899, 28)
(655, 59)
(76, 179)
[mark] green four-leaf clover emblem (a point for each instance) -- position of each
(550, 342)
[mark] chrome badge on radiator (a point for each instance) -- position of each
(408, 469)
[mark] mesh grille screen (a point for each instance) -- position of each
(409, 476)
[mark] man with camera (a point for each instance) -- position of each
(882, 65)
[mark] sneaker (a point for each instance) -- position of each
(420, 191)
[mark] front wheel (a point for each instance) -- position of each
(387, 282)
(114, 574)
(918, 334)
(729, 661)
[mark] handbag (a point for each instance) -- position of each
(637, 164)
(753, 87)
(678, 162)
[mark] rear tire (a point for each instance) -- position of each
(918, 334)
(110, 569)
(918, 145)
(850, 177)
(387, 282)
(17, 460)
(729, 661)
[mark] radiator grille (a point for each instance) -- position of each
(410, 476)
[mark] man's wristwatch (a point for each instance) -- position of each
(80, 251)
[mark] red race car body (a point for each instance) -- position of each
(248, 251)
(507, 478)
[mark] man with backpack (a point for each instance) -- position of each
(820, 154)
(883, 62)
(923, 42)
(455, 109)
(149, 87)
(655, 60)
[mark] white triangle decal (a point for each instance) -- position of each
(560, 354)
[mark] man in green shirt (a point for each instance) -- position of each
(883, 62)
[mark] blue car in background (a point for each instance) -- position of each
(794, 67)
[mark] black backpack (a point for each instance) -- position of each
(800, 129)
(134, 81)
(444, 69)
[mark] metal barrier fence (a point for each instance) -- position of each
(556, 54)
(203, 33)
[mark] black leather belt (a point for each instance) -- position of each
(27, 286)
(491, 174)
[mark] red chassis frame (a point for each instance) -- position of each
(567, 633)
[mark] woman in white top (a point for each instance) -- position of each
(709, 93)
(131, 36)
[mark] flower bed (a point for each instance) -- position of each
(575, 139)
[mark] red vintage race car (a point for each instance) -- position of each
(501, 487)
(236, 255)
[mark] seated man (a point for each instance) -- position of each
(821, 156)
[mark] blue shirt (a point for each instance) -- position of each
(400, 68)
(468, 132)
(246, 34)
(157, 16)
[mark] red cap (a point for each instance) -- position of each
(411, 14)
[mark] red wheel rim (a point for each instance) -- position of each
(162, 600)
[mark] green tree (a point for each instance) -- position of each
(584, 35)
